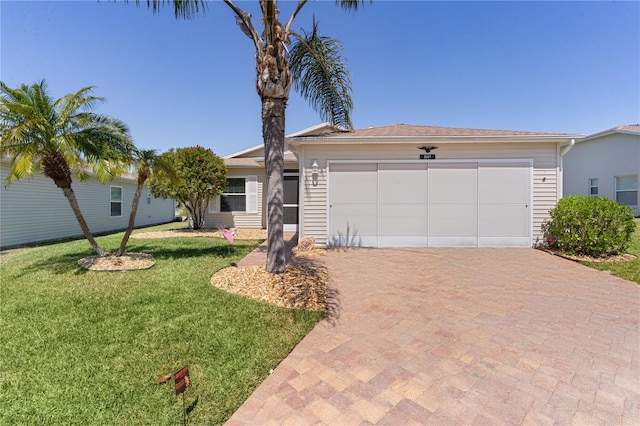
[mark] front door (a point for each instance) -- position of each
(291, 194)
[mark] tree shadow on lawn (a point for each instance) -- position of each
(66, 263)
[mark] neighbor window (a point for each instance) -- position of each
(593, 186)
(627, 190)
(234, 198)
(116, 201)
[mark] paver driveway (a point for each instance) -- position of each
(462, 336)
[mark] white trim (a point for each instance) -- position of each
(616, 190)
(112, 201)
(250, 194)
(214, 205)
(312, 130)
(591, 186)
(244, 151)
(357, 140)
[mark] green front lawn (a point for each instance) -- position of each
(83, 347)
(629, 270)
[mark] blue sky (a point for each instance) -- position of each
(570, 67)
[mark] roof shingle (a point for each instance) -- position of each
(407, 130)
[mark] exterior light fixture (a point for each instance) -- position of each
(314, 173)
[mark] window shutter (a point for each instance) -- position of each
(252, 193)
(213, 204)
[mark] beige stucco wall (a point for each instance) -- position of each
(546, 173)
(602, 158)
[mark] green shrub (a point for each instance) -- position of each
(592, 226)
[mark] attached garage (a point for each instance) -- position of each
(376, 188)
(430, 204)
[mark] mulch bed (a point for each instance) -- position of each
(126, 262)
(581, 258)
(299, 287)
(241, 234)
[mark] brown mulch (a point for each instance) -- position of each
(241, 234)
(299, 287)
(126, 262)
(624, 257)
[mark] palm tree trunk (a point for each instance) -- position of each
(273, 111)
(132, 218)
(73, 201)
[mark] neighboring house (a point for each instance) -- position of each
(35, 210)
(606, 164)
(405, 185)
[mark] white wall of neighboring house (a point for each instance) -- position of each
(598, 160)
(35, 210)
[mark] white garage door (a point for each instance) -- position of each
(432, 204)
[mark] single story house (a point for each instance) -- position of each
(404, 185)
(606, 164)
(35, 210)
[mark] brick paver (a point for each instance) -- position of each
(462, 336)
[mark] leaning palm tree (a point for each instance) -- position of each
(146, 161)
(143, 161)
(60, 138)
(315, 67)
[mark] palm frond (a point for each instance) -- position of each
(185, 9)
(321, 76)
(351, 4)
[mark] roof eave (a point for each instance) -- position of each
(551, 138)
(609, 133)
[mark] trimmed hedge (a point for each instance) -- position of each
(592, 226)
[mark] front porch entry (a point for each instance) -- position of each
(291, 197)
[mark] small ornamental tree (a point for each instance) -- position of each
(591, 226)
(197, 175)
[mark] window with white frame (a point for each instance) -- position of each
(116, 201)
(627, 190)
(593, 186)
(240, 196)
(234, 198)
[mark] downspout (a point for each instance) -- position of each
(567, 148)
(563, 151)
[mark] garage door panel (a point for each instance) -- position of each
(353, 225)
(403, 220)
(402, 183)
(504, 183)
(353, 183)
(503, 220)
(453, 183)
(453, 220)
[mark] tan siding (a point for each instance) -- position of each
(544, 167)
(314, 219)
(34, 210)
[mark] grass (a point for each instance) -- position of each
(629, 270)
(83, 347)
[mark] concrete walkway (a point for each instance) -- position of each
(462, 336)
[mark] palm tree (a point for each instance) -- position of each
(61, 138)
(144, 161)
(315, 67)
